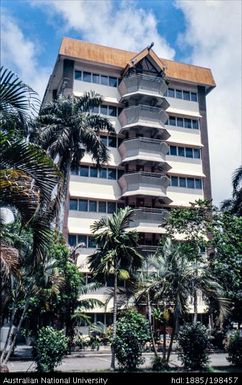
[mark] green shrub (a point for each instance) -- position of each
(159, 364)
(193, 345)
(234, 350)
(132, 334)
(50, 347)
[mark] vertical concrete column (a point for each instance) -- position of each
(204, 140)
(68, 75)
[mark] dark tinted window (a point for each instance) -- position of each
(189, 152)
(111, 207)
(95, 78)
(178, 94)
(87, 77)
(103, 173)
(112, 141)
(82, 205)
(195, 124)
(171, 92)
(173, 150)
(92, 206)
(113, 81)
(186, 95)
(82, 239)
(112, 111)
(180, 122)
(104, 110)
(72, 240)
(102, 207)
(83, 170)
(91, 242)
(196, 153)
(174, 181)
(104, 80)
(194, 96)
(172, 121)
(190, 183)
(181, 151)
(73, 204)
(111, 173)
(182, 182)
(78, 75)
(188, 123)
(93, 172)
(104, 139)
(198, 183)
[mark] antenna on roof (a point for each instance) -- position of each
(150, 46)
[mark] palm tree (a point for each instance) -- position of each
(172, 280)
(234, 205)
(67, 129)
(116, 255)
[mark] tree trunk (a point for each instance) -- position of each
(195, 308)
(8, 336)
(14, 335)
(175, 330)
(150, 325)
(114, 316)
(164, 341)
(60, 219)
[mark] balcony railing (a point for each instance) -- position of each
(146, 149)
(143, 115)
(144, 184)
(149, 217)
(142, 83)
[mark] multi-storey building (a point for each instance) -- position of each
(159, 155)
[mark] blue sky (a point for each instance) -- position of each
(202, 32)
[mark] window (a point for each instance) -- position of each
(190, 183)
(104, 139)
(104, 109)
(171, 92)
(102, 207)
(72, 240)
(82, 205)
(186, 95)
(87, 77)
(111, 207)
(173, 150)
(111, 173)
(91, 242)
(112, 111)
(95, 78)
(93, 206)
(74, 170)
(104, 80)
(195, 124)
(193, 96)
(188, 123)
(181, 151)
(113, 82)
(83, 170)
(73, 204)
(180, 122)
(120, 173)
(95, 110)
(172, 121)
(196, 153)
(174, 181)
(182, 182)
(179, 94)
(93, 172)
(78, 75)
(103, 173)
(112, 141)
(198, 184)
(189, 152)
(82, 239)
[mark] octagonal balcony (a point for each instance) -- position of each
(144, 150)
(146, 219)
(142, 84)
(142, 115)
(144, 184)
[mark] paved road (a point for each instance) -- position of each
(97, 362)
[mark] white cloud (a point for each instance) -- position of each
(122, 25)
(19, 53)
(213, 30)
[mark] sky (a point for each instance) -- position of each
(201, 32)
